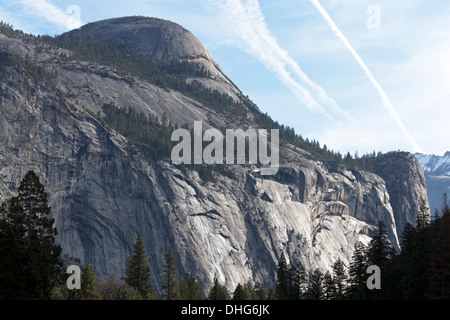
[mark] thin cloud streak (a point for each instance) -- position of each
(384, 98)
(53, 14)
(247, 23)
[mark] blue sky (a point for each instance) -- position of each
(356, 75)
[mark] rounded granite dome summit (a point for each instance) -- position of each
(151, 37)
(157, 39)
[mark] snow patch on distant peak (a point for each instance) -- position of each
(434, 164)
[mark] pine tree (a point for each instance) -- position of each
(316, 286)
(29, 229)
(12, 285)
(137, 270)
(329, 288)
(283, 279)
(357, 273)
(254, 291)
(423, 218)
(339, 279)
(440, 260)
(88, 286)
(169, 278)
(445, 206)
(415, 259)
(407, 239)
(298, 281)
(240, 293)
(218, 291)
(380, 251)
(259, 292)
(190, 289)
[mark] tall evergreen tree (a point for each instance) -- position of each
(218, 291)
(380, 251)
(298, 283)
(440, 259)
(137, 270)
(339, 279)
(407, 238)
(315, 285)
(415, 259)
(28, 227)
(259, 292)
(190, 289)
(12, 285)
(406, 283)
(445, 205)
(169, 278)
(88, 286)
(254, 291)
(423, 217)
(283, 279)
(329, 287)
(240, 293)
(357, 273)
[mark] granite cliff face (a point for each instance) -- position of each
(104, 190)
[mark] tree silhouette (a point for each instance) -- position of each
(27, 227)
(88, 286)
(283, 279)
(137, 270)
(169, 278)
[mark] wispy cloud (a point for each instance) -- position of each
(384, 98)
(44, 9)
(247, 23)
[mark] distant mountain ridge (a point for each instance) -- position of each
(437, 174)
(434, 164)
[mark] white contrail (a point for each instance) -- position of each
(247, 23)
(42, 8)
(384, 98)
